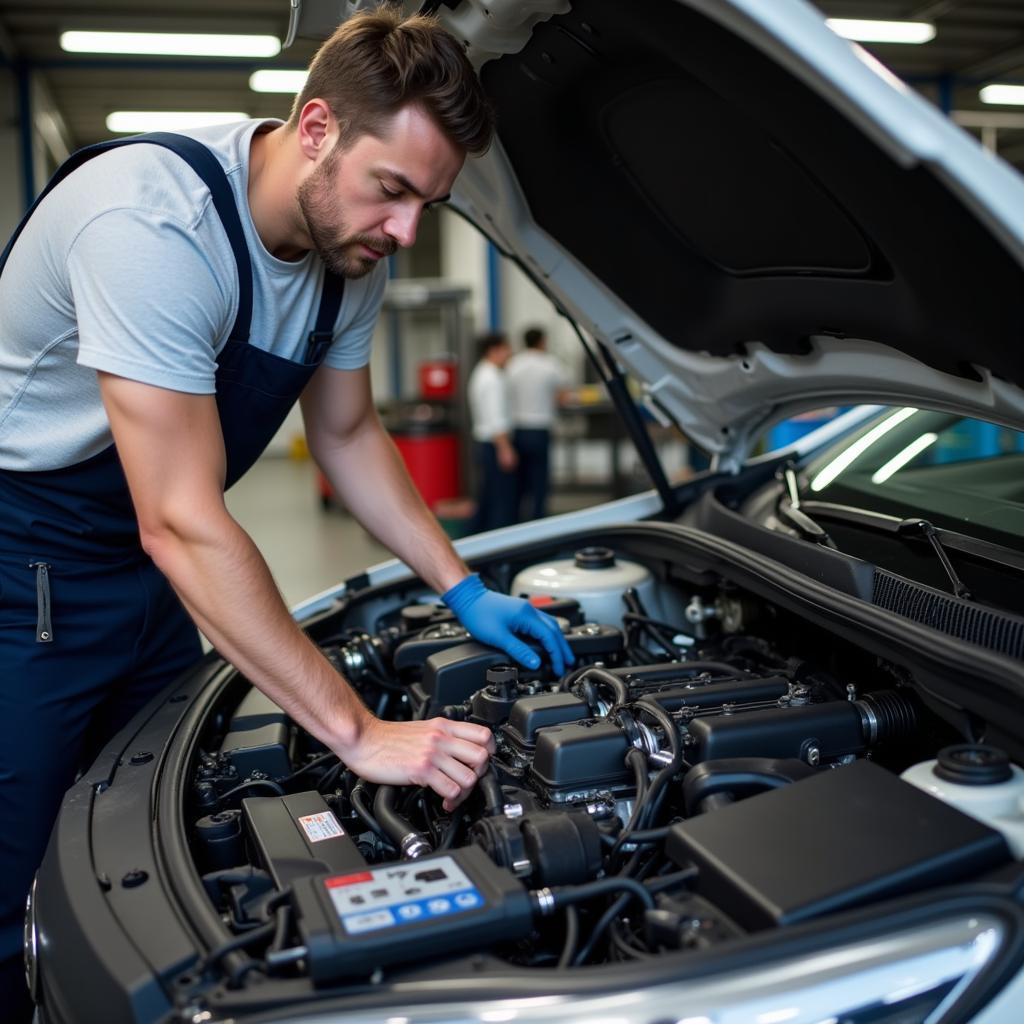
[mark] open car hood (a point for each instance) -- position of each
(753, 215)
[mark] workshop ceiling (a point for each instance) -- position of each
(977, 41)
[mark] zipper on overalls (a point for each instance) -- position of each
(44, 627)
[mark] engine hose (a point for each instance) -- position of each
(572, 937)
(371, 654)
(632, 600)
(637, 837)
(739, 777)
(607, 917)
(399, 830)
(600, 928)
(652, 803)
(494, 799)
(252, 784)
(453, 827)
(662, 717)
(547, 901)
(636, 759)
(662, 632)
(366, 815)
(249, 938)
(566, 682)
(618, 686)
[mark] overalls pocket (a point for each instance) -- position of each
(44, 620)
(26, 608)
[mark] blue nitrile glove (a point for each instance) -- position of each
(494, 619)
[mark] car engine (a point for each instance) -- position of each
(708, 769)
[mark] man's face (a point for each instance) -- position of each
(362, 203)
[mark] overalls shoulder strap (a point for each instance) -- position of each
(210, 172)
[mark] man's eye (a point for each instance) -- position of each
(389, 192)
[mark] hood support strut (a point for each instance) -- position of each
(611, 376)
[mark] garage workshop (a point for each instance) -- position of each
(512, 510)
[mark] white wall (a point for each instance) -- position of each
(525, 305)
(464, 262)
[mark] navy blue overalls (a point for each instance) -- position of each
(90, 630)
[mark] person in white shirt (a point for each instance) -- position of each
(536, 384)
(494, 453)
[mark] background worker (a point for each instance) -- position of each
(537, 382)
(162, 308)
(494, 453)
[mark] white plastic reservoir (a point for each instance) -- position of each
(595, 578)
(980, 781)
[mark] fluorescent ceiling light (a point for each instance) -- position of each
(908, 454)
(882, 31)
(849, 455)
(1003, 94)
(179, 44)
(272, 80)
(168, 120)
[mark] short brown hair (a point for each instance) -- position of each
(377, 62)
(486, 343)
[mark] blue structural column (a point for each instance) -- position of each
(493, 288)
(23, 78)
(946, 83)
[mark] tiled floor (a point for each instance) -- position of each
(307, 548)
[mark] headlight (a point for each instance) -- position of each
(31, 944)
(913, 974)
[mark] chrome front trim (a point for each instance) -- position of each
(842, 983)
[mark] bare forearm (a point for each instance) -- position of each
(368, 474)
(171, 448)
(227, 588)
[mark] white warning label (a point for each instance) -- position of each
(321, 826)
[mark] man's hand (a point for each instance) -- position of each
(508, 457)
(449, 757)
(495, 618)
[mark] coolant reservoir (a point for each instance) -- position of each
(595, 578)
(980, 781)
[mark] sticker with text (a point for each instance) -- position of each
(321, 826)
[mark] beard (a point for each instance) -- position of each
(325, 222)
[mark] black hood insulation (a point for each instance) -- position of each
(727, 204)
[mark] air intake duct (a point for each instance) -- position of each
(887, 715)
(814, 733)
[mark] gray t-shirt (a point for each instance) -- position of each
(125, 267)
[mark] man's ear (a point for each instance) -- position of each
(317, 129)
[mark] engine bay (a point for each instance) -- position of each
(712, 767)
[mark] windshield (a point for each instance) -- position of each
(961, 474)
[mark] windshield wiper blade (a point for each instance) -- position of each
(922, 528)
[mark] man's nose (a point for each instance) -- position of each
(402, 225)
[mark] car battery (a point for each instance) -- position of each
(298, 835)
(353, 923)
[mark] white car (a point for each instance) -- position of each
(783, 783)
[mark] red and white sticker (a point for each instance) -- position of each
(321, 826)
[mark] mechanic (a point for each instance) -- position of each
(537, 385)
(162, 308)
(493, 451)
